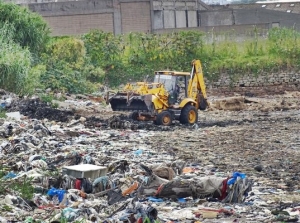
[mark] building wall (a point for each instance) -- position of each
(249, 16)
(78, 17)
(275, 83)
(216, 18)
(156, 16)
(79, 24)
(243, 16)
(135, 17)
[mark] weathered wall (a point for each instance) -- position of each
(275, 83)
(267, 16)
(135, 17)
(169, 14)
(123, 16)
(79, 24)
(239, 32)
(69, 18)
(78, 17)
(216, 18)
(249, 16)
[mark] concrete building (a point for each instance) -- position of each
(157, 16)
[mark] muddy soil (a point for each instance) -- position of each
(36, 109)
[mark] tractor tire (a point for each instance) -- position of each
(164, 118)
(134, 116)
(189, 115)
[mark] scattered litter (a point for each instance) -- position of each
(87, 163)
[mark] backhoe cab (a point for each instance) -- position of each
(172, 96)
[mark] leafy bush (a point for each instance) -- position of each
(23, 188)
(15, 62)
(67, 67)
(28, 28)
(23, 36)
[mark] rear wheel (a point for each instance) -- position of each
(189, 115)
(164, 118)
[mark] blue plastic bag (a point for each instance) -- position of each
(181, 200)
(10, 175)
(138, 152)
(56, 192)
(235, 176)
(153, 199)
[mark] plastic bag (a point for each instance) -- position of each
(56, 192)
(235, 176)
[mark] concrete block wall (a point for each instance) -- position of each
(248, 16)
(72, 17)
(135, 16)
(250, 80)
(79, 17)
(266, 83)
(170, 14)
(79, 24)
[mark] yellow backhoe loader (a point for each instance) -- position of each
(172, 96)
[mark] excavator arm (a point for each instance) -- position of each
(196, 86)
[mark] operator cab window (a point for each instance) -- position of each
(168, 81)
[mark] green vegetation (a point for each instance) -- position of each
(30, 59)
(133, 56)
(15, 61)
(2, 115)
(23, 37)
(27, 29)
(22, 187)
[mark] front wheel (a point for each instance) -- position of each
(189, 115)
(164, 118)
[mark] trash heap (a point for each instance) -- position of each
(57, 166)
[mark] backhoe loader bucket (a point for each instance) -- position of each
(129, 102)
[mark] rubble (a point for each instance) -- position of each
(240, 163)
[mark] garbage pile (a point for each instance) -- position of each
(63, 167)
(287, 101)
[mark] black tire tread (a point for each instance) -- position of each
(160, 117)
(185, 112)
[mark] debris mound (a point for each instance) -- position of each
(230, 104)
(93, 121)
(36, 109)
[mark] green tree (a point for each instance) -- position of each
(106, 51)
(15, 62)
(29, 28)
(23, 37)
(67, 67)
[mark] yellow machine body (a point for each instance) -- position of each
(161, 101)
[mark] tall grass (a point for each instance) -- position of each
(15, 62)
(140, 54)
(30, 30)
